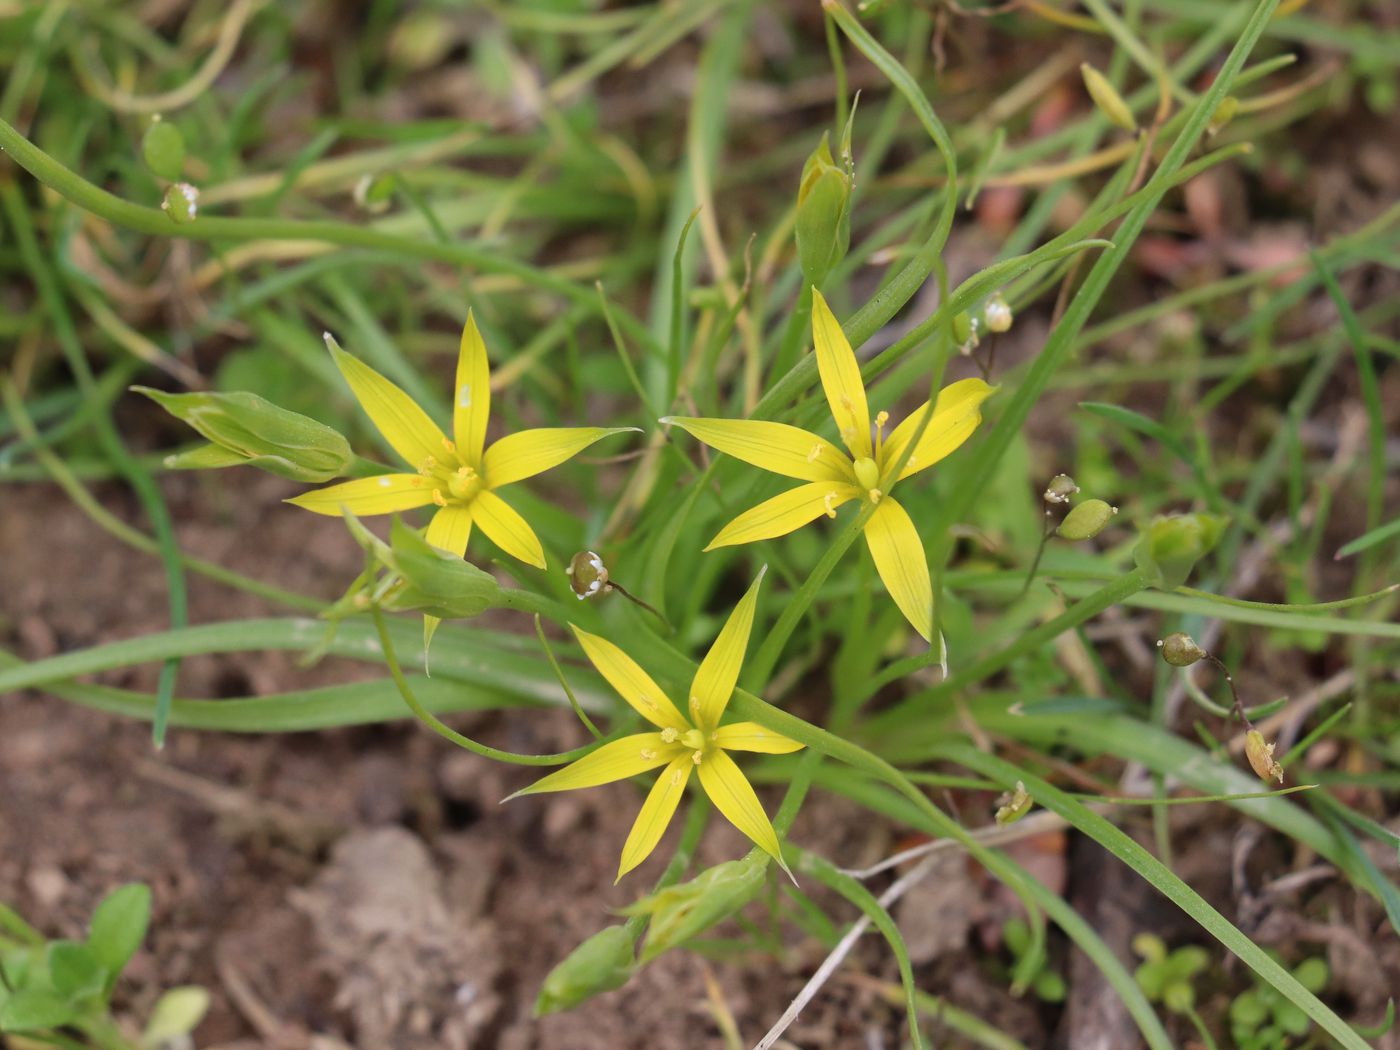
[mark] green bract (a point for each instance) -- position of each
(679, 913)
(244, 428)
(1171, 546)
(603, 963)
(823, 213)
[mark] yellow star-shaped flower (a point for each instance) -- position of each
(460, 475)
(834, 478)
(683, 744)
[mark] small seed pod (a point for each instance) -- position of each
(1086, 520)
(1180, 650)
(373, 193)
(997, 315)
(1106, 97)
(962, 327)
(1261, 757)
(181, 202)
(1014, 805)
(1224, 113)
(1060, 489)
(587, 575)
(163, 149)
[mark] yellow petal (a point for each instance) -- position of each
(734, 797)
(657, 810)
(505, 528)
(791, 451)
(956, 415)
(714, 679)
(530, 452)
(382, 495)
(785, 512)
(632, 683)
(471, 398)
(840, 373)
(404, 425)
(616, 761)
(450, 528)
(750, 736)
(902, 564)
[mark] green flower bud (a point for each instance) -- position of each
(1014, 805)
(1106, 97)
(1224, 113)
(181, 203)
(1171, 546)
(1086, 520)
(245, 428)
(603, 963)
(1060, 489)
(962, 327)
(163, 149)
(1180, 650)
(176, 1013)
(587, 575)
(823, 213)
(436, 582)
(681, 912)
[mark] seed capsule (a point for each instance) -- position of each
(1180, 650)
(1261, 756)
(1014, 805)
(1106, 97)
(997, 315)
(587, 574)
(1086, 520)
(1060, 489)
(181, 202)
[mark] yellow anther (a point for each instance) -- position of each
(429, 462)
(670, 735)
(827, 501)
(417, 483)
(676, 778)
(438, 498)
(466, 473)
(847, 403)
(647, 754)
(816, 451)
(876, 495)
(881, 418)
(447, 444)
(697, 758)
(694, 707)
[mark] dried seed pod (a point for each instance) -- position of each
(1060, 489)
(1180, 650)
(1087, 520)
(1261, 757)
(1014, 805)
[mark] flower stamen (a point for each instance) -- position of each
(816, 452)
(827, 501)
(439, 498)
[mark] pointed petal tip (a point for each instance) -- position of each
(762, 572)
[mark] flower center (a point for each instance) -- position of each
(464, 484)
(867, 473)
(693, 739)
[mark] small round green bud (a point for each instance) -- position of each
(587, 575)
(1224, 113)
(1086, 520)
(1180, 650)
(163, 149)
(181, 202)
(1060, 489)
(373, 193)
(962, 327)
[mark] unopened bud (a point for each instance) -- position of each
(603, 963)
(1014, 805)
(1106, 97)
(1060, 489)
(436, 582)
(1087, 520)
(962, 327)
(1261, 757)
(997, 315)
(163, 149)
(247, 429)
(823, 225)
(1180, 649)
(181, 203)
(587, 575)
(1224, 113)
